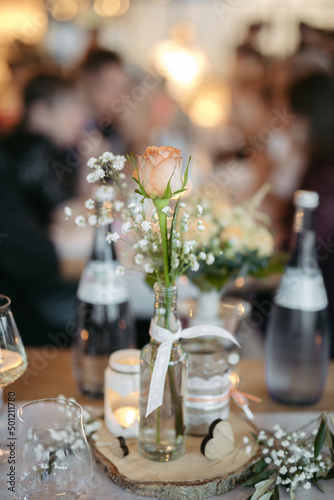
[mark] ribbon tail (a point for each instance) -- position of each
(204, 330)
(155, 395)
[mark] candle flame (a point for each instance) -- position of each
(235, 379)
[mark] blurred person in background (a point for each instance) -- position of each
(312, 98)
(35, 180)
(104, 82)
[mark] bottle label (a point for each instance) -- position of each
(301, 290)
(99, 284)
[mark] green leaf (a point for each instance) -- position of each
(136, 180)
(320, 439)
(258, 478)
(259, 466)
(168, 192)
(150, 279)
(262, 490)
(318, 485)
(185, 178)
(275, 493)
(292, 495)
(328, 438)
(330, 474)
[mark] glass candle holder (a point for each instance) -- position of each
(121, 393)
(208, 384)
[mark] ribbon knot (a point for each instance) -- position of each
(166, 339)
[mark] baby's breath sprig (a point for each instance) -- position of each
(293, 459)
(163, 240)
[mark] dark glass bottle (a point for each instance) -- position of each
(297, 344)
(104, 321)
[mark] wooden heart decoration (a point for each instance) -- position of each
(219, 441)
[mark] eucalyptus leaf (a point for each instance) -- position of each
(320, 438)
(318, 485)
(292, 495)
(262, 489)
(259, 466)
(258, 478)
(275, 493)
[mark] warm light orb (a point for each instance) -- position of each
(21, 20)
(210, 106)
(63, 10)
(107, 8)
(182, 66)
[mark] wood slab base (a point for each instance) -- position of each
(190, 477)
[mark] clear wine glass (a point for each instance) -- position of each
(54, 458)
(13, 360)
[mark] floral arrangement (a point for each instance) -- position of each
(161, 233)
(293, 459)
(236, 240)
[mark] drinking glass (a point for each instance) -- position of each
(54, 460)
(13, 360)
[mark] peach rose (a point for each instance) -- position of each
(156, 166)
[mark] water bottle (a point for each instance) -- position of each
(104, 321)
(297, 346)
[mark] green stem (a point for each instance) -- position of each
(160, 204)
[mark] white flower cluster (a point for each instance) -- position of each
(101, 166)
(292, 455)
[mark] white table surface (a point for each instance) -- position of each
(104, 489)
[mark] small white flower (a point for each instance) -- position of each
(124, 185)
(265, 451)
(112, 237)
(119, 162)
(134, 208)
(126, 227)
(104, 220)
(292, 469)
(166, 210)
(278, 480)
(68, 211)
(199, 209)
(201, 227)
(280, 453)
(210, 259)
(143, 243)
(107, 156)
(155, 247)
(185, 217)
(146, 225)
(283, 470)
(182, 205)
(99, 173)
(202, 255)
(194, 266)
(120, 270)
(122, 176)
(80, 221)
(148, 268)
(307, 485)
(92, 220)
(245, 440)
(270, 442)
(285, 443)
(118, 205)
(175, 263)
(91, 162)
(89, 204)
(267, 460)
(91, 177)
(279, 434)
(139, 258)
(277, 462)
(248, 450)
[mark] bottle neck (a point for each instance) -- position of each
(102, 250)
(304, 239)
(165, 307)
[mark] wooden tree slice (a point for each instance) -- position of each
(192, 476)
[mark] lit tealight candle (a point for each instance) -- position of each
(126, 416)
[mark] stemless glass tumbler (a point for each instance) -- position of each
(54, 457)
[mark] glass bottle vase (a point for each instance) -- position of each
(162, 433)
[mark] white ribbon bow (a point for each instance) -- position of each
(166, 338)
